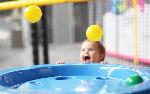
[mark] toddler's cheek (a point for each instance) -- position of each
(81, 60)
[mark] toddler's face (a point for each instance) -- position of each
(90, 52)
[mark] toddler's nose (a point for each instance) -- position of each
(86, 51)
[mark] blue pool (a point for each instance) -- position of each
(73, 79)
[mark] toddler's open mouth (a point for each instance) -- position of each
(86, 58)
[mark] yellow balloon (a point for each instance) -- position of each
(33, 13)
(94, 33)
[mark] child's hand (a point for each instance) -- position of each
(60, 62)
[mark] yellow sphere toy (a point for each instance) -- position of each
(94, 33)
(33, 13)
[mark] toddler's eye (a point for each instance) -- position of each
(91, 49)
(83, 50)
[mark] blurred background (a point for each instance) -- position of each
(60, 32)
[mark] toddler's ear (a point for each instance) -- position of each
(102, 57)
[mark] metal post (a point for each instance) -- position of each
(35, 43)
(45, 36)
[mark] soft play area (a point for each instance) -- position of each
(119, 27)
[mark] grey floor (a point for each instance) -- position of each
(16, 57)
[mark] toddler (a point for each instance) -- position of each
(91, 52)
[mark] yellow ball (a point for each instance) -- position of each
(94, 33)
(33, 13)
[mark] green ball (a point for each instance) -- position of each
(134, 80)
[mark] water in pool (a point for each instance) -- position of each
(75, 85)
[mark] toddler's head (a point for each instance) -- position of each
(92, 51)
